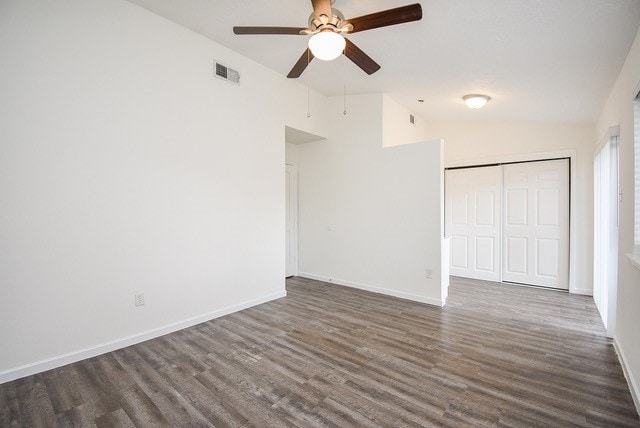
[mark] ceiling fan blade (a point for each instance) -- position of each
(399, 15)
(360, 58)
(301, 65)
(268, 30)
(322, 7)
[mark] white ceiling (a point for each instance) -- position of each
(540, 60)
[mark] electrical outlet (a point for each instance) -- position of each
(429, 273)
(139, 299)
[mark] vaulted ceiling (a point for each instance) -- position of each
(540, 60)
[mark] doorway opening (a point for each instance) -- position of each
(293, 139)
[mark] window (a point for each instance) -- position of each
(605, 222)
(635, 257)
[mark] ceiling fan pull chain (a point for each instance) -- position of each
(308, 85)
(344, 85)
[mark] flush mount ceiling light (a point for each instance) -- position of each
(327, 45)
(476, 101)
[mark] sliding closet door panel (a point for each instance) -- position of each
(536, 226)
(473, 221)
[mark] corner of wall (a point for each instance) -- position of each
(628, 374)
(397, 128)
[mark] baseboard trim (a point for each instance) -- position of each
(72, 357)
(583, 291)
(633, 387)
(374, 289)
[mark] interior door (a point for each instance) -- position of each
(291, 201)
(536, 223)
(472, 215)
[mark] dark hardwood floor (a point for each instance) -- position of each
(326, 355)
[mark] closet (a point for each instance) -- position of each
(510, 222)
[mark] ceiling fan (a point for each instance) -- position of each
(327, 26)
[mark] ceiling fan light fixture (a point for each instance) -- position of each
(476, 101)
(327, 45)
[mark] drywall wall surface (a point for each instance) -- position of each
(444, 265)
(369, 216)
(291, 153)
(126, 167)
(397, 128)
(304, 108)
(477, 143)
(477, 140)
(618, 110)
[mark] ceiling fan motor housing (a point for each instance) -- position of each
(333, 23)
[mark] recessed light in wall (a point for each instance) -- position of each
(476, 101)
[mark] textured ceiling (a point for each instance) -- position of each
(540, 60)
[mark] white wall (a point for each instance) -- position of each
(476, 142)
(396, 127)
(297, 101)
(369, 216)
(126, 167)
(618, 110)
(291, 153)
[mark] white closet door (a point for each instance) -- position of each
(536, 223)
(473, 221)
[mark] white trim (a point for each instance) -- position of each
(636, 89)
(634, 259)
(72, 357)
(573, 219)
(374, 289)
(583, 291)
(633, 387)
(613, 131)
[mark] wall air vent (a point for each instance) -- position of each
(226, 73)
(412, 119)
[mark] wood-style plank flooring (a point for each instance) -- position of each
(326, 355)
